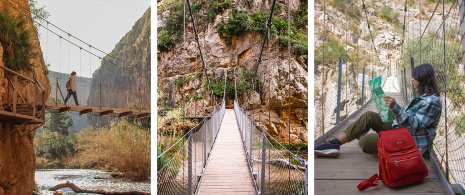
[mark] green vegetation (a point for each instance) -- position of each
(388, 14)
(39, 14)
(240, 22)
(243, 80)
(216, 8)
(165, 42)
(218, 88)
(237, 24)
(16, 43)
(459, 123)
(171, 33)
(54, 144)
(300, 146)
(179, 82)
(333, 50)
(349, 7)
(196, 7)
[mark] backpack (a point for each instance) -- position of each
(68, 84)
(400, 161)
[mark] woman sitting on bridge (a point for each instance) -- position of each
(420, 117)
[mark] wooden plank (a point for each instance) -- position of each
(350, 187)
(227, 171)
(125, 113)
(85, 111)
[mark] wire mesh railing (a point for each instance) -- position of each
(441, 47)
(271, 170)
(344, 92)
(180, 167)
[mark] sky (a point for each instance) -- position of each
(100, 23)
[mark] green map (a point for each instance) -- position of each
(377, 92)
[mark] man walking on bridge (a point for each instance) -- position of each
(71, 87)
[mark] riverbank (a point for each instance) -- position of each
(85, 178)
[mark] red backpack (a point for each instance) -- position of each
(68, 84)
(400, 161)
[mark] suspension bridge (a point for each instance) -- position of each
(126, 92)
(228, 152)
(433, 35)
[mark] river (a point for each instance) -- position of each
(85, 179)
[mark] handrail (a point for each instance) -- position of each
(254, 139)
(37, 84)
(16, 74)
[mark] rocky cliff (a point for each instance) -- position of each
(17, 157)
(123, 78)
(180, 74)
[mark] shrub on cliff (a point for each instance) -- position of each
(15, 40)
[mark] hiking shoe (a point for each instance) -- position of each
(327, 149)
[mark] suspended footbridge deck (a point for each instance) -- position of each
(341, 175)
(101, 111)
(227, 171)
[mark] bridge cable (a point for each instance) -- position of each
(268, 26)
(371, 35)
(128, 70)
(196, 36)
(323, 71)
(439, 28)
(69, 52)
(60, 56)
(46, 49)
(419, 24)
(42, 19)
(289, 79)
(90, 73)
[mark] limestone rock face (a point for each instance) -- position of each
(178, 71)
(125, 80)
(17, 157)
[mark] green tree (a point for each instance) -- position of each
(56, 122)
(39, 14)
(55, 142)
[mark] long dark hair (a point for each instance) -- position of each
(425, 75)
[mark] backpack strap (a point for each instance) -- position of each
(372, 182)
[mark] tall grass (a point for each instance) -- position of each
(123, 147)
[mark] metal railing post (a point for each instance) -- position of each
(306, 179)
(411, 71)
(251, 138)
(56, 94)
(262, 182)
(405, 85)
(339, 86)
(189, 166)
(205, 143)
(140, 101)
(363, 86)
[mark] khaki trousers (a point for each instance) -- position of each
(359, 129)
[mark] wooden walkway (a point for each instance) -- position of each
(227, 171)
(341, 175)
(99, 110)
